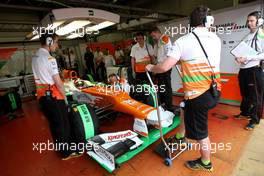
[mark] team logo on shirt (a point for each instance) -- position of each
(165, 39)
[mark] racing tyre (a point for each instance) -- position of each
(84, 122)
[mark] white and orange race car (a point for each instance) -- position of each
(97, 100)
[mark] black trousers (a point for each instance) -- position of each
(101, 72)
(90, 68)
(165, 90)
(251, 83)
(196, 115)
(60, 124)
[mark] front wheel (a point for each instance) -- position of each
(84, 122)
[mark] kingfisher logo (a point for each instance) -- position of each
(120, 136)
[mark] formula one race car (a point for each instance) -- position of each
(94, 101)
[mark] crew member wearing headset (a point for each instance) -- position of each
(250, 75)
(51, 95)
(199, 56)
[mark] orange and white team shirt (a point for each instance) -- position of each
(196, 71)
(142, 56)
(44, 66)
(162, 48)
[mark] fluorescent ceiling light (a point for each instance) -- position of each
(55, 25)
(72, 27)
(67, 21)
(100, 26)
(35, 37)
(72, 36)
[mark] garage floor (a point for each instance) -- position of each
(17, 138)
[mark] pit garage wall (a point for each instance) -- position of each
(233, 19)
(15, 60)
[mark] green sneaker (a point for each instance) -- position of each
(198, 165)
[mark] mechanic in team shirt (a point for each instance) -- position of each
(51, 94)
(199, 74)
(161, 49)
